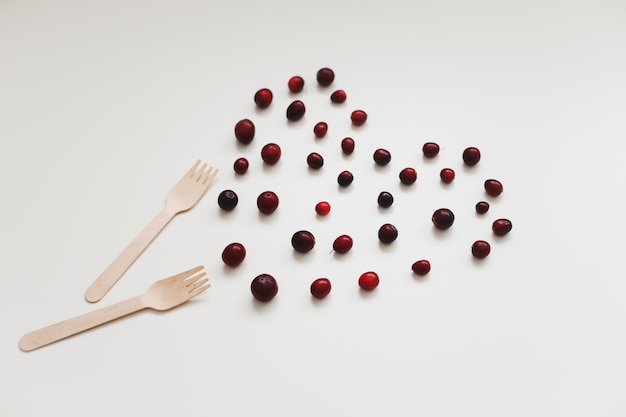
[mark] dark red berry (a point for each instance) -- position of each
(358, 117)
(271, 153)
(347, 145)
(443, 218)
(338, 96)
(241, 166)
(430, 149)
(493, 187)
(421, 267)
(233, 254)
(325, 77)
(227, 200)
(345, 178)
(369, 280)
(315, 160)
(322, 208)
(342, 244)
(480, 249)
(320, 288)
(385, 199)
(471, 156)
(447, 175)
(303, 241)
(263, 98)
(408, 176)
(295, 84)
(482, 207)
(244, 131)
(320, 129)
(267, 202)
(296, 110)
(382, 156)
(501, 227)
(264, 287)
(387, 233)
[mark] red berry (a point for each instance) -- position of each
(385, 199)
(358, 117)
(322, 208)
(325, 77)
(480, 249)
(382, 156)
(320, 129)
(295, 84)
(347, 145)
(345, 178)
(430, 149)
(447, 175)
(482, 207)
(369, 280)
(267, 202)
(338, 96)
(241, 166)
(227, 200)
(408, 176)
(233, 254)
(387, 233)
(501, 227)
(320, 288)
(244, 131)
(263, 98)
(271, 153)
(493, 187)
(315, 160)
(421, 267)
(342, 244)
(303, 241)
(296, 110)
(471, 156)
(264, 287)
(443, 218)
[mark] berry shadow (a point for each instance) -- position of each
(262, 306)
(267, 218)
(440, 234)
(386, 247)
(367, 294)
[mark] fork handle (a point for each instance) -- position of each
(61, 330)
(124, 260)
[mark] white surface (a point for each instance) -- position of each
(103, 106)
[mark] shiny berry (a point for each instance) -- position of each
(387, 233)
(385, 199)
(421, 267)
(263, 98)
(325, 77)
(382, 156)
(227, 200)
(493, 187)
(443, 218)
(303, 241)
(358, 117)
(501, 227)
(295, 84)
(338, 96)
(241, 166)
(296, 110)
(315, 160)
(408, 176)
(369, 280)
(480, 249)
(233, 254)
(320, 288)
(342, 244)
(447, 175)
(345, 178)
(430, 149)
(320, 129)
(267, 202)
(482, 207)
(471, 156)
(347, 145)
(271, 153)
(264, 287)
(244, 131)
(322, 208)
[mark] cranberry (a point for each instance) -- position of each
(241, 166)
(382, 156)
(320, 288)
(267, 202)
(358, 117)
(315, 160)
(271, 153)
(295, 84)
(263, 98)
(322, 208)
(320, 129)
(264, 287)
(345, 178)
(244, 131)
(234, 254)
(347, 145)
(296, 110)
(385, 199)
(471, 156)
(303, 241)
(342, 244)
(387, 233)
(338, 96)
(421, 267)
(501, 227)
(482, 207)
(227, 200)
(430, 149)
(408, 176)
(369, 280)
(447, 175)
(325, 77)
(493, 187)
(443, 218)
(480, 249)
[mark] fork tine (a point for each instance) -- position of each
(192, 169)
(200, 290)
(197, 284)
(199, 173)
(208, 176)
(186, 274)
(193, 279)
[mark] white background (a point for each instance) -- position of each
(104, 105)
